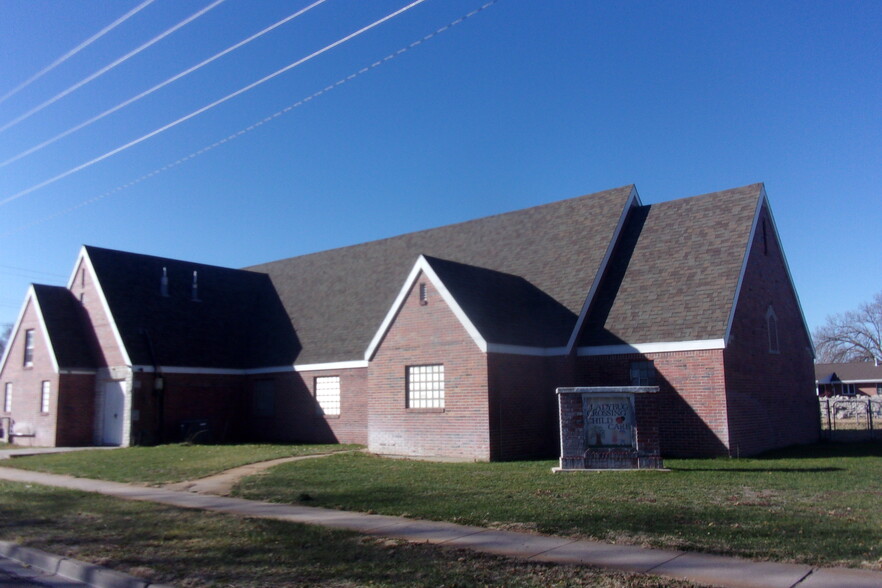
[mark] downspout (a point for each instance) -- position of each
(158, 389)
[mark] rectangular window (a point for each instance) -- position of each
(327, 394)
(642, 373)
(44, 397)
(263, 398)
(772, 327)
(425, 386)
(29, 348)
(7, 397)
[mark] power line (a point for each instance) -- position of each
(162, 84)
(209, 106)
(76, 49)
(254, 126)
(110, 66)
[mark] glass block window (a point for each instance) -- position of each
(425, 386)
(327, 394)
(642, 373)
(29, 348)
(7, 397)
(44, 397)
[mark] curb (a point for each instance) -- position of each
(91, 574)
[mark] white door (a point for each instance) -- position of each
(114, 405)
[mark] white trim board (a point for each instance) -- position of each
(84, 259)
(422, 265)
(633, 202)
(657, 347)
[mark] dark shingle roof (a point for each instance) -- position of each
(337, 299)
(674, 275)
(849, 372)
(67, 327)
(238, 322)
(505, 308)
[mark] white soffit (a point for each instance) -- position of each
(658, 347)
(633, 202)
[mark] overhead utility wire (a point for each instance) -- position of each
(110, 66)
(254, 126)
(76, 49)
(209, 106)
(162, 84)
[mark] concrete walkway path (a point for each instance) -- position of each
(696, 567)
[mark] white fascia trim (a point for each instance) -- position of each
(84, 258)
(764, 201)
(633, 202)
(32, 294)
(210, 371)
(524, 350)
(808, 332)
(422, 265)
(756, 218)
(15, 328)
(660, 347)
(334, 365)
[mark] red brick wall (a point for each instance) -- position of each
(422, 335)
(27, 383)
(297, 416)
(76, 410)
(221, 399)
(691, 399)
(771, 396)
(523, 405)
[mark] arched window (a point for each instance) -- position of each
(772, 328)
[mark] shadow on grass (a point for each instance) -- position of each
(825, 450)
(759, 468)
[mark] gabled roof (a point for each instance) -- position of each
(337, 299)
(848, 373)
(676, 271)
(67, 328)
(236, 323)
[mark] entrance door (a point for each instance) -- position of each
(114, 405)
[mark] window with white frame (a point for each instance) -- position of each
(44, 397)
(425, 386)
(7, 397)
(772, 328)
(327, 394)
(29, 348)
(642, 373)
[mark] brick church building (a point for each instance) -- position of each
(444, 342)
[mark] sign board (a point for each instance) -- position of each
(608, 421)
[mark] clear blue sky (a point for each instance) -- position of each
(525, 103)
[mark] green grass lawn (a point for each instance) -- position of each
(818, 505)
(163, 464)
(192, 549)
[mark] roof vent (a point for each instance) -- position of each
(194, 296)
(163, 283)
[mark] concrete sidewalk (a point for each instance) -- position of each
(696, 567)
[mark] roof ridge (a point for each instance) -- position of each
(627, 187)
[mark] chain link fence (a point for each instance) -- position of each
(851, 418)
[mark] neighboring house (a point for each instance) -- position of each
(444, 342)
(848, 379)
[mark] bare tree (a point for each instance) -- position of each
(852, 336)
(5, 331)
